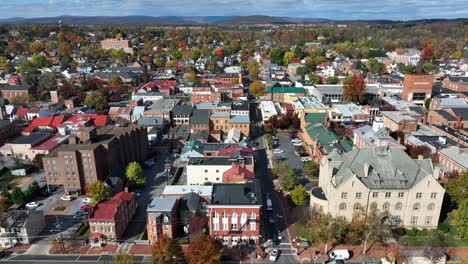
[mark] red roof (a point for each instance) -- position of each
(51, 143)
(229, 151)
(22, 111)
(83, 120)
(95, 235)
(228, 176)
(51, 121)
(288, 107)
(107, 210)
(160, 84)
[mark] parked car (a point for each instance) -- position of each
(80, 215)
(306, 159)
(340, 254)
(274, 254)
(86, 207)
(296, 140)
(66, 198)
(280, 157)
(87, 200)
(32, 205)
(278, 151)
(298, 144)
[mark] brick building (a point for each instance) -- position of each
(200, 121)
(455, 83)
(109, 219)
(162, 218)
(204, 93)
(454, 158)
(123, 44)
(417, 88)
(234, 214)
(401, 120)
(454, 117)
(277, 94)
(223, 78)
(11, 92)
(92, 154)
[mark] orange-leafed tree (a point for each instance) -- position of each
(219, 52)
(203, 250)
(167, 251)
(354, 88)
(427, 54)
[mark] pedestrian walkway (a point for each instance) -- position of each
(41, 247)
(124, 248)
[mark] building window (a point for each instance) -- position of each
(418, 195)
(433, 195)
(243, 215)
(206, 171)
(414, 220)
(400, 195)
(215, 215)
(225, 226)
(253, 215)
(375, 195)
(356, 206)
(358, 195)
(386, 206)
(416, 207)
(342, 207)
(224, 215)
(344, 195)
(234, 226)
(428, 220)
(373, 205)
(215, 226)
(166, 227)
(430, 207)
(253, 225)
(398, 206)
(388, 195)
(217, 171)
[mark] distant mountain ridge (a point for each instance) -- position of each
(196, 20)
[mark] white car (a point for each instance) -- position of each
(66, 198)
(340, 254)
(296, 140)
(32, 205)
(306, 159)
(298, 144)
(278, 151)
(87, 200)
(274, 254)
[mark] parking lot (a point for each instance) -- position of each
(289, 154)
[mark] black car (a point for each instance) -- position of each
(280, 157)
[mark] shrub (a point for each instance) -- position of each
(60, 208)
(423, 232)
(412, 232)
(444, 227)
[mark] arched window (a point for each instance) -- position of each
(342, 206)
(357, 206)
(430, 207)
(224, 215)
(253, 215)
(398, 206)
(386, 206)
(373, 205)
(416, 207)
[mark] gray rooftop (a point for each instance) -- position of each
(182, 110)
(217, 161)
(240, 119)
(200, 116)
(151, 121)
(399, 116)
(380, 168)
(237, 194)
(32, 139)
(162, 204)
(459, 155)
(164, 105)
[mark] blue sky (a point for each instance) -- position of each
(332, 9)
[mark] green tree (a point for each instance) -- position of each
(457, 188)
(323, 228)
(39, 61)
(286, 176)
(370, 227)
(299, 195)
(195, 55)
(288, 56)
(96, 100)
(257, 88)
(3, 63)
(409, 69)
(376, 67)
(17, 196)
(36, 47)
(302, 71)
(429, 67)
(119, 55)
(310, 169)
(134, 174)
(459, 220)
(115, 80)
(166, 251)
(427, 103)
(276, 56)
(315, 79)
(177, 55)
(47, 83)
(98, 191)
(333, 80)
(37, 161)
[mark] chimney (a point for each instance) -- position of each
(126, 189)
(366, 169)
(459, 120)
(54, 97)
(420, 157)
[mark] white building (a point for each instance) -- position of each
(348, 113)
(211, 169)
(150, 96)
(383, 178)
(268, 110)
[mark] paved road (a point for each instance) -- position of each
(292, 159)
(68, 259)
(262, 172)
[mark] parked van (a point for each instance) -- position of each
(340, 254)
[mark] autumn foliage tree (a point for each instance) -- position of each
(427, 54)
(257, 88)
(203, 250)
(354, 88)
(166, 251)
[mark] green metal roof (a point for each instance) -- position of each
(269, 89)
(315, 118)
(320, 134)
(346, 145)
(193, 145)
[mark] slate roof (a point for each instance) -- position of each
(162, 204)
(237, 194)
(200, 117)
(182, 110)
(457, 154)
(461, 111)
(15, 87)
(446, 115)
(386, 168)
(32, 139)
(240, 119)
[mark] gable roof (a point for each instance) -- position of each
(320, 134)
(200, 117)
(107, 210)
(315, 118)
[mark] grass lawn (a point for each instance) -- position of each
(300, 230)
(450, 240)
(60, 208)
